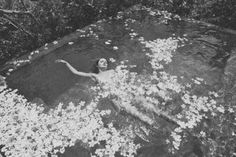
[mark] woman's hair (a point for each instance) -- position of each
(95, 68)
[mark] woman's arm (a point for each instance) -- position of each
(74, 71)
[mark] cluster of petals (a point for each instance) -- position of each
(28, 131)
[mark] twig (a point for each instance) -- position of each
(4, 11)
(15, 24)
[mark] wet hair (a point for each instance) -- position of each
(95, 68)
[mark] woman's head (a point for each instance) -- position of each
(100, 65)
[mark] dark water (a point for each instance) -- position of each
(208, 53)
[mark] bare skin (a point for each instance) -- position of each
(104, 75)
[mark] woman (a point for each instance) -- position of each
(103, 74)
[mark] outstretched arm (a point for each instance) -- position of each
(74, 71)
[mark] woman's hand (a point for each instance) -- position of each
(61, 61)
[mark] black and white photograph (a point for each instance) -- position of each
(117, 78)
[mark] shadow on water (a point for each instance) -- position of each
(209, 54)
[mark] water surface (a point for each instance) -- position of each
(208, 53)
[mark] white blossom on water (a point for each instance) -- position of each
(112, 60)
(27, 131)
(55, 42)
(71, 43)
(141, 95)
(161, 51)
(115, 48)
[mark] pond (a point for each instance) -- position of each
(206, 53)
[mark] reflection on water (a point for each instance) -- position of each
(208, 54)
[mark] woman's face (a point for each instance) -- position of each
(102, 64)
